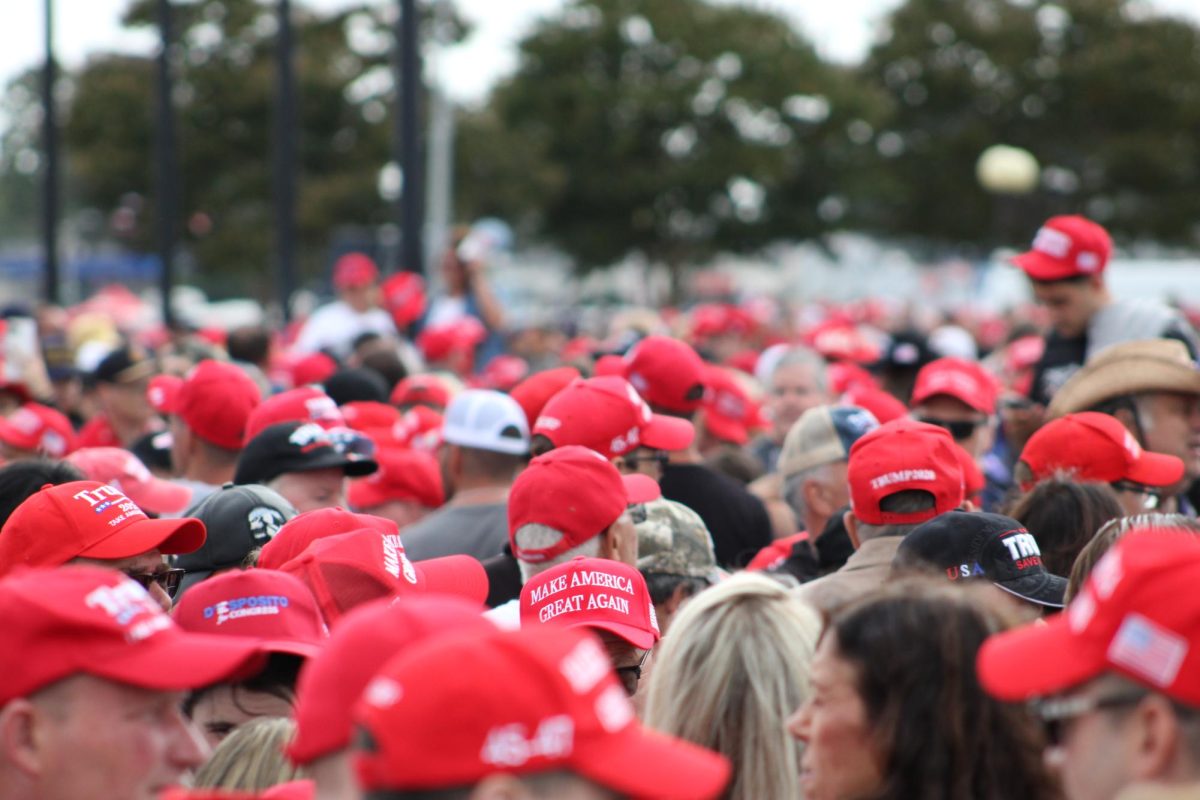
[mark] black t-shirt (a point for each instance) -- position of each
(736, 519)
(1062, 359)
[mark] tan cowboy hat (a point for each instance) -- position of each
(1153, 365)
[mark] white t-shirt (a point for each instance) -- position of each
(335, 327)
(506, 616)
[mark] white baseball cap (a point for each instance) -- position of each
(486, 420)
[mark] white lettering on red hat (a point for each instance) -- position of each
(126, 601)
(954, 383)
(507, 745)
(383, 693)
(639, 381)
(1081, 611)
(1146, 648)
(25, 421)
(620, 445)
(322, 408)
(1052, 242)
(1107, 575)
(585, 666)
(1087, 262)
(613, 709)
(100, 498)
(394, 559)
(636, 399)
(560, 606)
(1132, 447)
(653, 617)
(549, 423)
(902, 476)
(593, 577)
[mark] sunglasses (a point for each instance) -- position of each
(659, 457)
(1057, 714)
(631, 676)
(1151, 495)
(167, 580)
(959, 428)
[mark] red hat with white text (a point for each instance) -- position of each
(900, 456)
(596, 593)
(607, 415)
(1066, 247)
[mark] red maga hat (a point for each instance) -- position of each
(88, 519)
(306, 404)
(1096, 447)
(561, 708)
(575, 491)
(406, 475)
(313, 368)
(963, 380)
(900, 456)
(596, 593)
(38, 429)
(607, 415)
(666, 372)
(534, 392)
(86, 620)
(274, 609)
(404, 298)
(369, 415)
(216, 401)
(421, 390)
(123, 470)
(354, 270)
(366, 639)
(1138, 615)
(353, 568)
(303, 529)
(729, 413)
(1066, 247)
(163, 392)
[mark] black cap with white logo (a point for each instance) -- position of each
(298, 447)
(993, 547)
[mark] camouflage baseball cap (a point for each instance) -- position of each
(672, 540)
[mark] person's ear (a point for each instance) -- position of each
(851, 523)
(815, 498)
(18, 736)
(1156, 741)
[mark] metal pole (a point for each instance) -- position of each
(407, 139)
(285, 161)
(165, 187)
(50, 288)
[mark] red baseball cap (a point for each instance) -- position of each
(354, 270)
(306, 404)
(88, 519)
(38, 429)
(882, 405)
(81, 619)
(607, 415)
(667, 373)
(596, 593)
(313, 368)
(368, 415)
(534, 392)
(575, 491)
(402, 475)
(364, 641)
(1066, 247)
(275, 609)
(163, 392)
(974, 481)
(350, 569)
(216, 401)
(1138, 614)
(455, 340)
(303, 529)
(502, 373)
(958, 378)
(123, 470)
(404, 297)
(420, 428)
(536, 700)
(729, 413)
(899, 456)
(1096, 447)
(423, 390)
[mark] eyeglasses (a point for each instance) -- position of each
(630, 676)
(659, 457)
(959, 428)
(168, 580)
(1056, 714)
(1151, 495)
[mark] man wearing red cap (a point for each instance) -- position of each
(522, 714)
(335, 326)
(208, 425)
(669, 375)
(92, 686)
(1116, 677)
(1065, 267)
(960, 396)
(900, 474)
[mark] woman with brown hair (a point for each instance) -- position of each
(895, 711)
(1063, 515)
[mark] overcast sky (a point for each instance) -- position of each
(841, 29)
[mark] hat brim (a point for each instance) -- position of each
(1036, 661)
(353, 467)
(665, 432)
(364, 494)
(640, 762)
(1156, 469)
(1042, 589)
(640, 489)
(1087, 389)
(458, 575)
(1041, 267)
(177, 661)
(168, 536)
(638, 637)
(13, 437)
(290, 647)
(725, 429)
(160, 497)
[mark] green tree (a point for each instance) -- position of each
(672, 128)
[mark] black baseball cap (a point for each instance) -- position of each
(977, 545)
(239, 519)
(124, 365)
(296, 447)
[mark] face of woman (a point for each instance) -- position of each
(840, 757)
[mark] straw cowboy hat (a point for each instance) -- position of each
(1153, 365)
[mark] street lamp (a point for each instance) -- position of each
(1007, 173)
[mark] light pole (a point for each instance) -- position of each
(1007, 173)
(50, 287)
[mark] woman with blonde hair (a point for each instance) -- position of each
(726, 676)
(251, 758)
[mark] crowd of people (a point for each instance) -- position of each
(417, 548)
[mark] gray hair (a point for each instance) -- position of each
(799, 356)
(793, 486)
(536, 536)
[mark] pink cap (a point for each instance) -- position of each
(216, 401)
(596, 593)
(123, 470)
